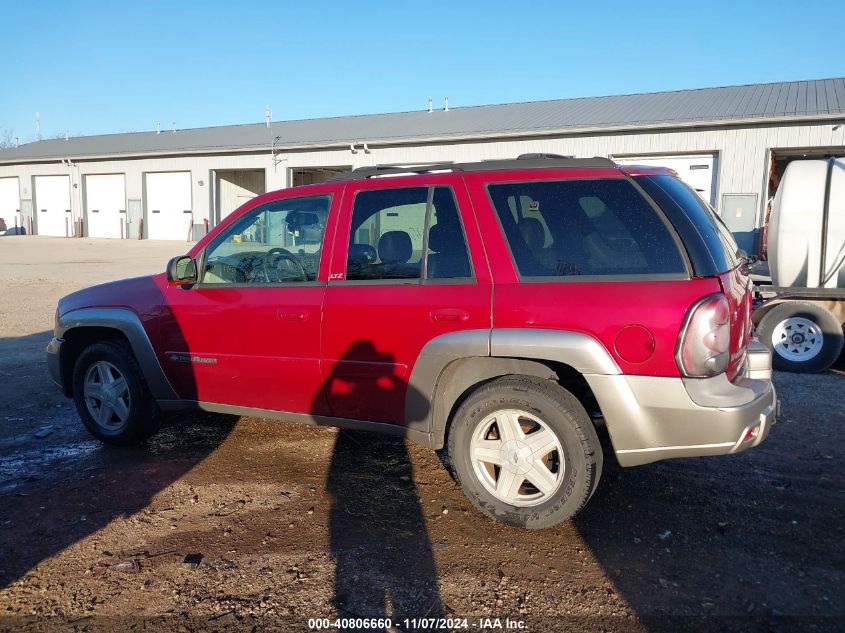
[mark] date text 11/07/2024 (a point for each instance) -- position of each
(415, 624)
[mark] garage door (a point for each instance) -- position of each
(235, 188)
(168, 205)
(105, 205)
(698, 171)
(10, 201)
(52, 205)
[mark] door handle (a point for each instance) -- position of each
(448, 315)
(292, 314)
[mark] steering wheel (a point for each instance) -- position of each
(224, 266)
(273, 257)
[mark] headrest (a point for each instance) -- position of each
(361, 254)
(531, 230)
(438, 237)
(395, 247)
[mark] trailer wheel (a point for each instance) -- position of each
(803, 337)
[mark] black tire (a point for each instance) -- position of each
(564, 415)
(141, 421)
(831, 336)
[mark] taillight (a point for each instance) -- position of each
(704, 342)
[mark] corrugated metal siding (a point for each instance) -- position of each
(706, 105)
(742, 156)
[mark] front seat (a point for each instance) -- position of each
(394, 250)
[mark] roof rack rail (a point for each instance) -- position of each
(538, 155)
(523, 161)
(374, 171)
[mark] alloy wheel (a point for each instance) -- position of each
(517, 457)
(107, 396)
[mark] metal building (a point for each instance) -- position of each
(730, 143)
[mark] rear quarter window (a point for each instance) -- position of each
(711, 245)
(572, 228)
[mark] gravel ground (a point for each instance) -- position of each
(221, 523)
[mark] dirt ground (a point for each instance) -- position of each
(220, 523)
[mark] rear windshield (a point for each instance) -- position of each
(584, 227)
(672, 194)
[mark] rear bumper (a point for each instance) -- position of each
(652, 418)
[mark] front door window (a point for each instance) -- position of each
(279, 242)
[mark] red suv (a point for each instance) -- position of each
(498, 309)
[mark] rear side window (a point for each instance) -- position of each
(715, 250)
(584, 227)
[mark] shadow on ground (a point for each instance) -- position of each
(57, 483)
(733, 542)
(94, 484)
(384, 565)
(377, 534)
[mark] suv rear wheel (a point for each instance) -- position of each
(525, 452)
(110, 395)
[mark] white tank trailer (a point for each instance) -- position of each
(800, 315)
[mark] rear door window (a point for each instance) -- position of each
(447, 255)
(386, 237)
(407, 233)
(572, 228)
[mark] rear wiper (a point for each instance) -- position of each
(746, 261)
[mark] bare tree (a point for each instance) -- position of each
(7, 138)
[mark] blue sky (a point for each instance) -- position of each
(101, 67)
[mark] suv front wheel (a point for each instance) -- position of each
(525, 452)
(110, 395)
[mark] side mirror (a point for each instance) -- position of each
(182, 270)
